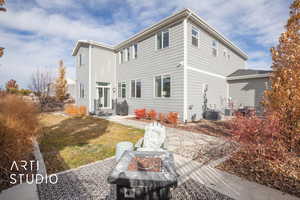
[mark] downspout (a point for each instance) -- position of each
(90, 78)
(185, 65)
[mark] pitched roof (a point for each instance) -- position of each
(248, 73)
(185, 13)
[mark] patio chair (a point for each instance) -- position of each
(154, 138)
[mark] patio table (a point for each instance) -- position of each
(144, 175)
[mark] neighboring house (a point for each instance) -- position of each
(167, 67)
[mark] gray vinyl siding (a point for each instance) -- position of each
(202, 58)
(248, 92)
(216, 93)
(103, 70)
(152, 62)
(82, 77)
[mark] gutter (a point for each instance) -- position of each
(253, 76)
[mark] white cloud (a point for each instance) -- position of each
(41, 32)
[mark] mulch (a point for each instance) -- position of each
(283, 176)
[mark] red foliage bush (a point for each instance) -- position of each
(151, 114)
(140, 113)
(172, 118)
(259, 135)
(161, 117)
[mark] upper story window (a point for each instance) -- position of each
(81, 59)
(225, 53)
(228, 56)
(81, 90)
(162, 86)
(122, 90)
(215, 48)
(121, 56)
(195, 37)
(127, 54)
(162, 39)
(135, 51)
(136, 88)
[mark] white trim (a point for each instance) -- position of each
(162, 86)
(166, 21)
(206, 72)
(185, 77)
(249, 76)
(90, 78)
(198, 33)
(90, 42)
(110, 95)
(135, 80)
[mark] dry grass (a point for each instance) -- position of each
(18, 125)
(69, 142)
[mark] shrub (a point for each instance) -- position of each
(172, 118)
(82, 110)
(75, 110)
(161, 117)
(261, 136)
(140, 113)
(151, 114)
(18, 125)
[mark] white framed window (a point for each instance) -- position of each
(162, 39)
(136, 88)
(121, 56)
(122, 89)
(214, 48)
(228, 56)
(162, 86)
(195, 37)
(81, 90)
(81, 60)
(128, 54)
(225, 53)
(135, 51)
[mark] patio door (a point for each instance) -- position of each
(104, 95)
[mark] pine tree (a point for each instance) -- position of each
(61, 83)
(284, 96)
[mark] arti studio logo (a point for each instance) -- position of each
(32, 166)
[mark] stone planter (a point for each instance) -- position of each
(144, 175)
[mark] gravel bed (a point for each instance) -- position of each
(90, 182)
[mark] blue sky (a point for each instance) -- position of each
(38, 33)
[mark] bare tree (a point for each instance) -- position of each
(2, 2)
(40, 85)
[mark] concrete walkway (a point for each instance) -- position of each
(22, 191)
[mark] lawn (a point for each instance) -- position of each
(69, 142)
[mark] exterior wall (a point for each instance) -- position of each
(152, 62)
(202, 58)
(82, 76)
(216, 93)
(248, 92)
(103, 70)
(204, 68)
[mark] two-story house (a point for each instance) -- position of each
(168, 67)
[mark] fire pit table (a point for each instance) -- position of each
(144, 175)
